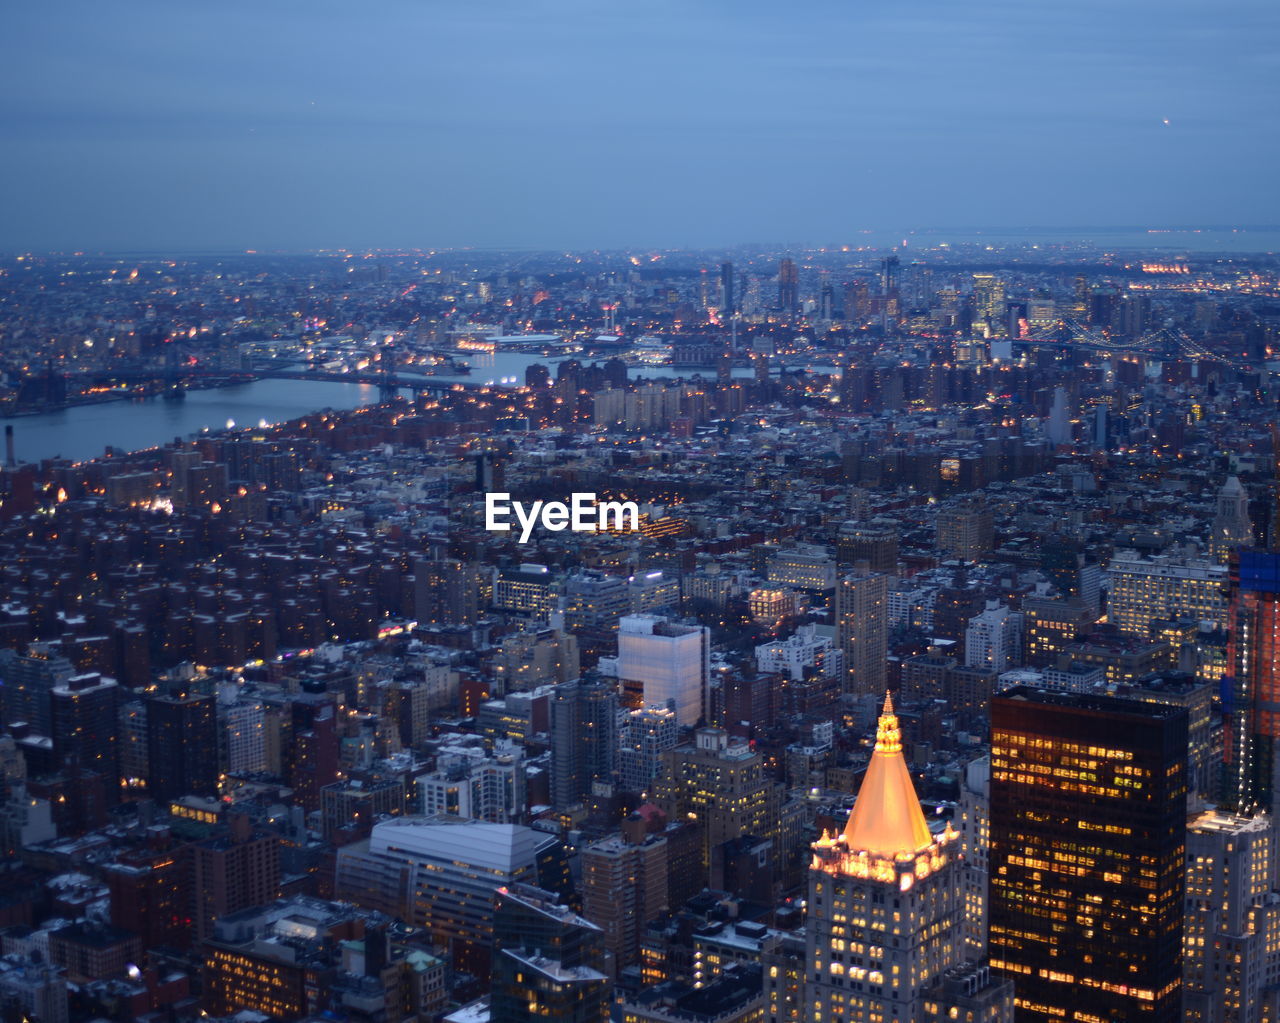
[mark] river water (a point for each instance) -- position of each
(85, 431)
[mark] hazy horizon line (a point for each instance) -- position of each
(1031, 234)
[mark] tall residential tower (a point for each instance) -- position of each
(862, 629)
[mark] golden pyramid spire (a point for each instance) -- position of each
(886, 818)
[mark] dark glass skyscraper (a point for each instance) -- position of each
(1088, 837)
(788, 286)
(548, 962)
(182, 745)
(889, 275)
(727, 298)
(1251, 690)
(584, 739)
(26, 685)
(83, 712)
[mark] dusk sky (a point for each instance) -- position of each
(574, 124)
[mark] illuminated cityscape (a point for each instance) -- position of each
(289, 731)
(609, 514)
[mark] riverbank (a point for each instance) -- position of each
(135, 393)
(129, 423)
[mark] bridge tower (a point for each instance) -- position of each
(389, 382)
(172, 377)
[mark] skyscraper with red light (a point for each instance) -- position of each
(1251, 690)
(151, 893)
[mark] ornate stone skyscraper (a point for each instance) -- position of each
(1232, 919)
(1232, 526)
(885, 902)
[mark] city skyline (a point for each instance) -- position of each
(451, 573)
(256, 663)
